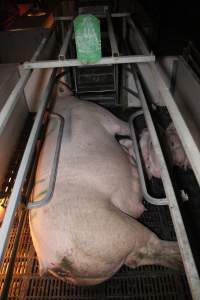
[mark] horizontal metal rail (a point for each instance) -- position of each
(18, 89)
(75, 63)
(114, 15)
(23, 169)
(147, 196)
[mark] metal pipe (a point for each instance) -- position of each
(23, 169)
(140, 42)
(75, 63)
(14, 96)
(148, 198)
(65, 45)
(111, 34)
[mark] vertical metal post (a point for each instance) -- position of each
(111, 34)
(66, 41)
(124, 28)
(62, 31)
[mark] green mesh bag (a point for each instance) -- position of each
(87, 38)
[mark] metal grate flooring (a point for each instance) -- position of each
(148, 283)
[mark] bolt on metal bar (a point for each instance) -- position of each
(23, 169)
(75, 63)
(65, 45)
(111, 34)
(16, 92)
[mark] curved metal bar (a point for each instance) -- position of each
(47, 198)
(147, 197)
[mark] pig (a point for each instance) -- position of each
(150, 160)
(89, 229)
(176, 151)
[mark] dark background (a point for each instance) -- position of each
(174, 23)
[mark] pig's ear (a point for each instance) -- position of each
(62, 89)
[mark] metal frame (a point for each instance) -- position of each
(114, 59)
(184, 245)
(16, 92)
(147, 196)
(47, 198)
(150, 75)
(162, 96)
(23, 170)
(157, 89)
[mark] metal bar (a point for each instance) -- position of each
(194, 49)
(141, 46)
(184, 245)
(147, 196)
(62, 27)
(111, 34)
(75, 63)
(115, 15)
(192, 62)
(173, 76)
(52, 181)
(18, 89)
(65, 45)
(23, 169)
(186, 138)
(124, 28)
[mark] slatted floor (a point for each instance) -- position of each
(152, 282)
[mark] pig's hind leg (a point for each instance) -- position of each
(156, 252)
